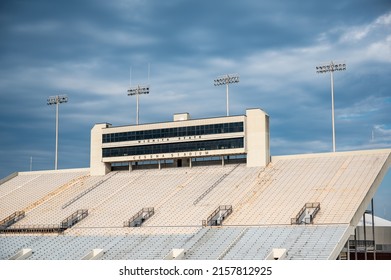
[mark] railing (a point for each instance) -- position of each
(215, 184)
(34, 229)
(74, 218)
(301, 218)
(80, 195)
(140, 217)
(361, 245)
(217, 216)
(65, 224)
(11, 219)
(9, 177)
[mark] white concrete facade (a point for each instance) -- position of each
(254, 135)
(97, 166)
(257, 138)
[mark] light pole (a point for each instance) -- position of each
(331, 67)
(137, 91)
(226, 80)
(55, 100)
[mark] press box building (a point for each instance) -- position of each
(183, 142)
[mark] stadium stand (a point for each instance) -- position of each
(264, 200)
(195, 189)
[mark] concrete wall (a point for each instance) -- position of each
(97, 166)
(257, 138)
(382, 234)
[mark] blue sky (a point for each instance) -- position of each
(85, 49)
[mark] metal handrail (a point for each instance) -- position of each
(144, 214)
(312, 205)
(48, 228)
(11, 219)
(215, 184)
(361, 243)
(226, 211)
(80, 195)
(74, 218)
(33, 229)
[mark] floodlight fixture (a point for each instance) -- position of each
(56, 100)
(137, 91)
(331, 67)
(226, 80)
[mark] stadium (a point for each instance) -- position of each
(205, 189)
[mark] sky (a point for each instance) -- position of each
(93, 51)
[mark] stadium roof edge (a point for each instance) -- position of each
(372, 190)
(166, 122)
(332, 154)
(55, 171)
(341, 243)
(189, 120)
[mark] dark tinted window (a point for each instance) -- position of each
(173, 132)
(232, 143)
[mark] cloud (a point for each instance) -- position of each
(122, 37)
(381, 134)
(361, 109)
(358, 33)
(37, 28)
(86, 53)
(282, 146)
(370, 42)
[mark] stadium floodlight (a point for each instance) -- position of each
(137, 91)
(331, 67)
(56, 100)
(226, 80)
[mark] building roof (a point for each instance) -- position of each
(379, 222)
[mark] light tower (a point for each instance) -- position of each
(226, 80)
(137, 91)
(331, 67)
(56, 100)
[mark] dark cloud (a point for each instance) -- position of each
(85, 50)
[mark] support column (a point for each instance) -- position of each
(97, 166)
(355, 242)
(257, 138)
(365, 238)
(373, 230)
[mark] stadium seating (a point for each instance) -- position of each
(264, 200)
